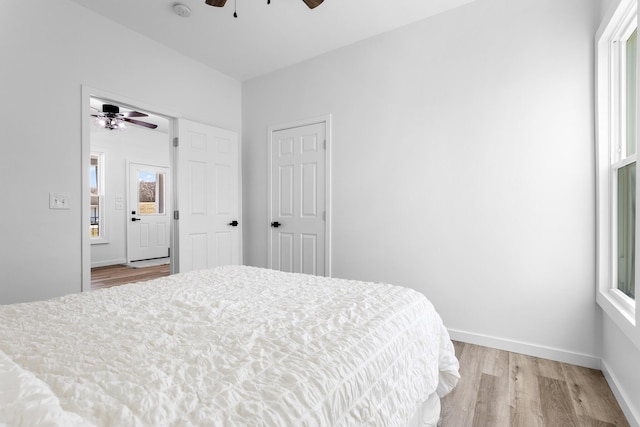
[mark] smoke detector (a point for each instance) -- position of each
(182, 10)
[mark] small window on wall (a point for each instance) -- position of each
(151, 193)
(96, 177)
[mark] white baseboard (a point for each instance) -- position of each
(632, 416)
(107, 263)
(528, 349)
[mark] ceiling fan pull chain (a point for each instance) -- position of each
(268, 1)
(235, 8)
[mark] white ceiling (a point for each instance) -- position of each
(264, 37)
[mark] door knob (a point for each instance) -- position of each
(234, 223)
(275, 224)
(135, 219)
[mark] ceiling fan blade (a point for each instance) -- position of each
(139, 123)
(311, 3)
(216, 3)
(134, 114)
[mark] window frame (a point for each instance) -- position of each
(101, 238)
(611, 129)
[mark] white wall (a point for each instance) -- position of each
(138, 145)
(462, 166)
(606, 5)
(49, 50)
(621, 364)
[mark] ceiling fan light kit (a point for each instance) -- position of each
(111, 124)
(220, 3)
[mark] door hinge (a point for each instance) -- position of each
(176, 141)
(325, 144)
(176, 214)
(324, 215)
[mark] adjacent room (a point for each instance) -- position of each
(479, 153)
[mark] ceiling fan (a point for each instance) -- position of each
(219, 3)
(111, 118)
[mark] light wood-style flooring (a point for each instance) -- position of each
(500, 388)
(114, 275)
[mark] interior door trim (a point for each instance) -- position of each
(326, 119)
(85, 153)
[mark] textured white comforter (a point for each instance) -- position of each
(231, 346)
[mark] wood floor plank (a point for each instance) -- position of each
(465, 394)
(524, 392)
(496, 362)
(550, 369)
(492, 408)
(556, 404)
(592, 397)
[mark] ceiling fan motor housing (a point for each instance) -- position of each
(111, 109)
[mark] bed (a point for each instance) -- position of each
(229, 346)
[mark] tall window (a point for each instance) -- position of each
(96, 177)
(617, 119)
(623, 158)
(624, 170)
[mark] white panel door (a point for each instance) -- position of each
(297, 237)
(149, 212)
(208, 197)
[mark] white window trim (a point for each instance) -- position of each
(102, 212)
(619, 307)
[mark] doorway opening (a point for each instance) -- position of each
(127, 191)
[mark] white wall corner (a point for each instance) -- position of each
(625, 402)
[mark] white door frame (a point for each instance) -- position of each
(85, 153)
(326, 119)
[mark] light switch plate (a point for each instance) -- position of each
(59, 201)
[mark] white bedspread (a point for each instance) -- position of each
(231, 346)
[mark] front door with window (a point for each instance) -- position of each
(148, 212)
